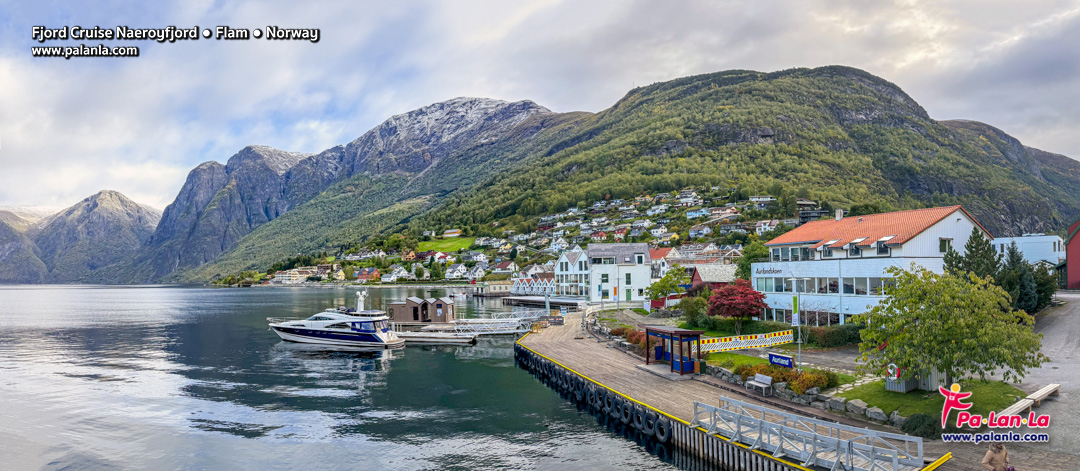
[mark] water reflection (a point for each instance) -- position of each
(191, 378)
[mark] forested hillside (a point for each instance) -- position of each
(836, 134)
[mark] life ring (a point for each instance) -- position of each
(649, 429)
(639, 417)
(627, 412)
(663, 429)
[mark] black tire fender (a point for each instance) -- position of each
(663, 429)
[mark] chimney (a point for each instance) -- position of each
(839, 214)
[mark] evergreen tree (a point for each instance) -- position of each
(954, 262)
(1046, 283)
(980, 257)
(1009, 274)
(1028, 300)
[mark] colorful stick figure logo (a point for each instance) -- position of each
(952, 401)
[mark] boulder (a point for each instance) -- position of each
(808, 398)
(875, 413)
(837, 404)
(857, 406)
(819, 405)
(896, 419)
(800, 400)
(814, 391)
(779, 386)
(823, 398)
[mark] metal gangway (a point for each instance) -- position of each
(811, 441)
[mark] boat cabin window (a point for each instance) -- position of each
(320, 318)
(339, 325)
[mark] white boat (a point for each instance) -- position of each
(342, 326)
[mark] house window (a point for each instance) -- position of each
(944, 245)
(640, 292)
(826, 253)
(603, 278)
(855, 251)
(795, 255)
(776, 255)
(627, 278)
(640, 259)
(860, 285)
(875, 286)
(604, 294)
(883, 249)
(785, 254)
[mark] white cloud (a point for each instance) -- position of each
(72, 127)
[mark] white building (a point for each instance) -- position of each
(838, 265)
(456, 271)
(619, 272)
(1035, 247)
(572, 273)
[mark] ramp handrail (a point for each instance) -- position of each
(812, 441)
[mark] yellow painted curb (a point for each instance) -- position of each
(932, 466)
(658, 411)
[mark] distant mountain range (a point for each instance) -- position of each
(67, 246)
(834, 133)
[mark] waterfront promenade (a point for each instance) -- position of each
(618, 370)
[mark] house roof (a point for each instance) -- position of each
(548, 276)
(866, 230)
(573, 256)
(622, 252)
(504, 264)
(716, 273)
(657, 254)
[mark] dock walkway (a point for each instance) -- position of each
(616, 369)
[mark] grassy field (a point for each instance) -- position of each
(987, 397)
(452, 244)
(721, 359)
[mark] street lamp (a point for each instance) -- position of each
(795, 321)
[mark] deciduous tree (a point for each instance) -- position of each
(738, 301)
(957, 324)
(751, 252)
(669, 284)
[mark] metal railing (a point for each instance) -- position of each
(278, 320)
(814, 442)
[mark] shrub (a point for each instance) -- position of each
(635, 337)
(619, 331)
(922, 425)
(833, 336)
(833, 379)
(694, 310)
(809, 379)
(726, 363)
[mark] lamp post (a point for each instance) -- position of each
(795, 321)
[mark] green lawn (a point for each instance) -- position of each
(721, 359)
(452, 244)
(987, 397)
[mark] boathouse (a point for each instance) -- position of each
(414, 309)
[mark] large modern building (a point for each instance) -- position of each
(1071, 268)
(1035, 247)
(619, 272)
(837, 266)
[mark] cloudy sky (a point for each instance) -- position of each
(69, 128)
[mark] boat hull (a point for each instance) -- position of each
(293, 334)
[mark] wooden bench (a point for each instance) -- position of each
(1023, 405)
(1046, 391)
(760, 381)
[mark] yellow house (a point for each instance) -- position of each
(339, 275)
(669, 237)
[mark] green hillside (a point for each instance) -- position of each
(836, 134)
(452, 244)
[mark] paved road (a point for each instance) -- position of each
(1061, 342)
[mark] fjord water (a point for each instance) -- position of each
(179, 378)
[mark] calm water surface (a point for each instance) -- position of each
(169, 377)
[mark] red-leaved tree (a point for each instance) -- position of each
(739, 301)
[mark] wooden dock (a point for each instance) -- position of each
(581, 353)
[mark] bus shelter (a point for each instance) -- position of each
(675, 345)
